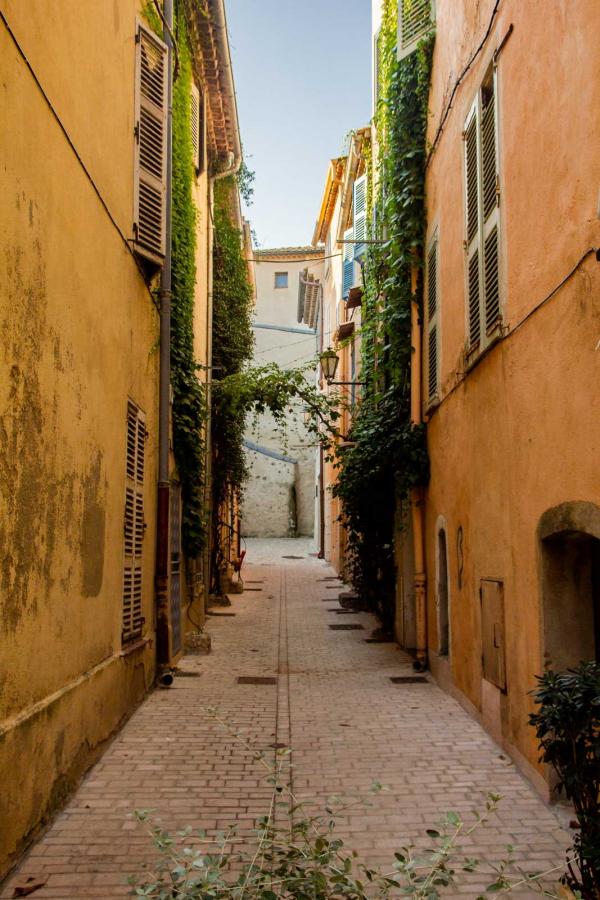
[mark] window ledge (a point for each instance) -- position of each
(135, 645)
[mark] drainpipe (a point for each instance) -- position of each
(416, 496)
(164, 399)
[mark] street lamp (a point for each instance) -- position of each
(329, 363)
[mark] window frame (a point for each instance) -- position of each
(281, 287)
(432, 400)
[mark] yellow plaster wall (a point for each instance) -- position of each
(519, 434)
(78, 336)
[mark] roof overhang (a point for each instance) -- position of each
(211, 60)
(333, 180)
(354, 168)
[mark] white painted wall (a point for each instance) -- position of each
(267, 495)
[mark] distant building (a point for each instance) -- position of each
(279, 495)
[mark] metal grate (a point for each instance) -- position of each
(379, 640)
(292, 557)
(252, 589)
(346, 627)
(256, 679)
(409, 679)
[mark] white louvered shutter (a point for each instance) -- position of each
(359, 206)
(472, 180)
(482, 218)
(490, 205)
(151, 148)
(195, 125)
(347, 262)
(414, 21)
(433, 321)
(134, 525)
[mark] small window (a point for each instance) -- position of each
(281, 279)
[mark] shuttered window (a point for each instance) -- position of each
(347, 262)
(433, 321)
(134, 526)
(414, 22)
(359, 207)
(197, 127)
(150, 145)
(482, 208)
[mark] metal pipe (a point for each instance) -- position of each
(164, 390)
(416, 496)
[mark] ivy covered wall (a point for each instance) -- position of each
(388, 455)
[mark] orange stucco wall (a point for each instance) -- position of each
(520, 432)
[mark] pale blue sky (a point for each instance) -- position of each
(303, 79)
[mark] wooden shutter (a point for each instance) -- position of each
(482, 217)
(433, 319)
(195, 123)
(134, 525)
(472, 226)
(359, 206)
(414, 21)
(347, 263)
(150, 144)
(490, 204)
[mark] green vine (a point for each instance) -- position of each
(388, 455)
(189, 404)
(233, 342)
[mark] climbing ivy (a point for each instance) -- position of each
(233, 343)
(388, 455)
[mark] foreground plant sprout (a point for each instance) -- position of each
(292, 854)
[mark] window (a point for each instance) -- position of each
(281, 279)
(134, 525)
(197, 127)
(347, 262)
(150, 145)
(359, 215)
(482, 220)
(433, 322)
(414, 22)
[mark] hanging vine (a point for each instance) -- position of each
(388, 455)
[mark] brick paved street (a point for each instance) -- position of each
(334, 705)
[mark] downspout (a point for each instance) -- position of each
(321, 554)
(164, 390)
(416, 494)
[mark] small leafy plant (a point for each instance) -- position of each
(292, 854)
(568, 730)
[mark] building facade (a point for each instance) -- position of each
(279, 494)
(83, 242)
(511, 350)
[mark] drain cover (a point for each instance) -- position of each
(292, 557)
(379, 640)
(185, 673)
(255, 582)
(409, 679)
(255, 679)
(346, 627)
(252, 589)
(329, 578)
(216, 615)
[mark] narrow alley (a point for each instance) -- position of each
(332, 701)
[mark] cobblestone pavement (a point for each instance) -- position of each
(348, 725)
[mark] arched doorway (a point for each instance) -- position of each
(569, 537)
(442, 590)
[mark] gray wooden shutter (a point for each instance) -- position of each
(134, 525)
(482, 217)
(490, 203)
(433, 321)
(150, 145)
(472, 226)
